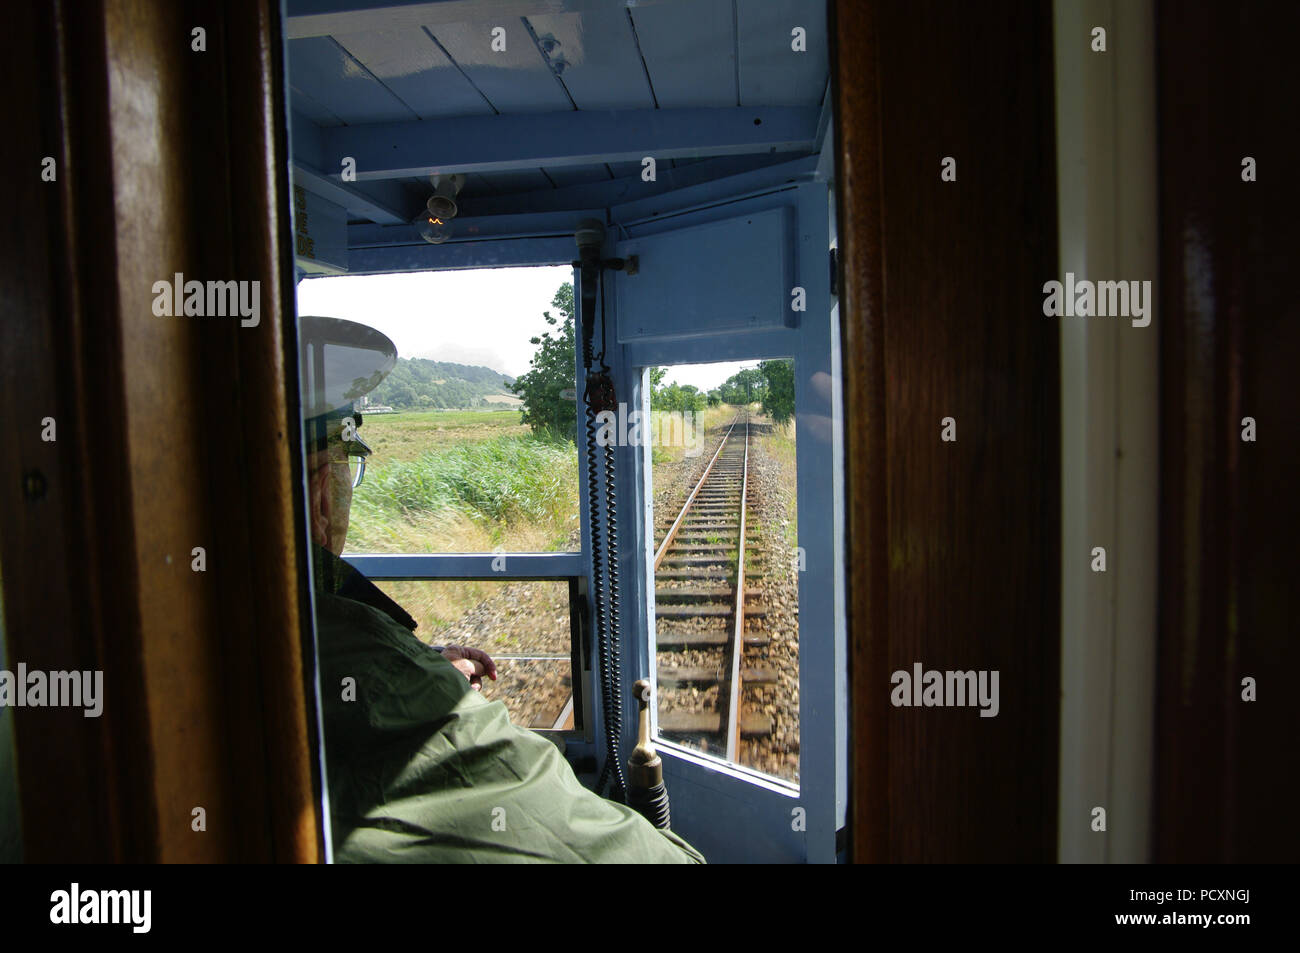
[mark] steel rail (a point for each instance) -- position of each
(565, 720)
(672, 532)
(738, 633)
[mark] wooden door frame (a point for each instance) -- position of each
(210, 697)
(941, 316)
(1225, 766)
(172, 433)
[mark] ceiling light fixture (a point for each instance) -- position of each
(434, 221)
(442, 204)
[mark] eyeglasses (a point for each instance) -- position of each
(356, 452)
(356, 468)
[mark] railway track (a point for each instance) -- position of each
(702, 603)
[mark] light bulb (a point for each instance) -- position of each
(433, 229)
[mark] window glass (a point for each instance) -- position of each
(390, 473)
(471, 433)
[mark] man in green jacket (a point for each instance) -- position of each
(421, 768)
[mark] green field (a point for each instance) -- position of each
(398, 437)
(478, 482)
(462, 481)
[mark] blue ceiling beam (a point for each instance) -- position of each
(502, 253)
(384, 202)
(560, 222)
(500, 143)
(335, 17)
(729, 189)
(609, 192)
(480, 228)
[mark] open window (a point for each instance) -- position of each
(441, 138)
(465, 505)
(725, 601)
(742, 286)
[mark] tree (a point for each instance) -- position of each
(677, 397)
(552, 371)
(778, 395)
(674, 397)
(402, 395)
(744, 387)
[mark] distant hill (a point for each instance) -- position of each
(418, 383)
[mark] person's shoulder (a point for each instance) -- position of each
(351, 632)
(377, 678)
(487, 791)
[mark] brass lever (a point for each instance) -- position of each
(646, 792)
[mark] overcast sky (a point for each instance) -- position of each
(482, 316)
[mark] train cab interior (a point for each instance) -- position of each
(798, 438)
(686, 175)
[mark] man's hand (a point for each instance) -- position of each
(472, 663)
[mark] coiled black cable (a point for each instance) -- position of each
(601, 387)
(612, 726)
(614, 677)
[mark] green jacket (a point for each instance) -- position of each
(422, 769)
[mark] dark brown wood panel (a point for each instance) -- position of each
(1226, 769)
(52, 518)
(174, 432)
(861, 293)
(954, 547)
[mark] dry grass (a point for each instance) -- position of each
(779, 446)
(400, 437)
(460, 482)
(451, 531)
(673, 438)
